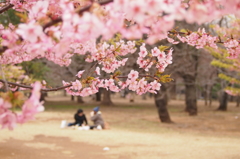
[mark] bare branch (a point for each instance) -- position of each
(30, 87)
(3, 49)
(150, 76)
(55, 89)
(4, 79)
(58, 88)
(5, 8)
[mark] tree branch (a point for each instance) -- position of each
(80, 11)
(5, 8)
(59, 88)
(30, 87)
(150, 76)
(3, 49)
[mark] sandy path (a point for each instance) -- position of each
(43, 138)
(135, 134)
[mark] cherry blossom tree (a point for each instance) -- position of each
(227, 66)
(105, 33)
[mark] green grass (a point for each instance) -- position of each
(60, 106)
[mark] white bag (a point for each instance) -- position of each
(63, 124)
(86, 127)
(99, 127)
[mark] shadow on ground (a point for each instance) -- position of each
(48, 147)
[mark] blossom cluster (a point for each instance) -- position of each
(233, 48)
(130, 18)
(134, 82)
(109, 55)
(201, 39)
(155, 57)
(9, 119)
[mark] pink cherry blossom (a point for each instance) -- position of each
(155, 51)
(30, 32)
(155, 85)
(133, 85)
(97, 71)
(143, 51)
(77, 85)
(32, 105)
(8, 120)
(133, 75)
(79, 74)
(4, 105)
(39, 9)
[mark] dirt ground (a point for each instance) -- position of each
(135, 133)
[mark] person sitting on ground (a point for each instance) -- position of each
(79, 119)
(97, 119)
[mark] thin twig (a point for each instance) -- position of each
(4, 79)
(139, 76)
(5, 8)
(3, 49)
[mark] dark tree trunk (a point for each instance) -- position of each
(106, 97)
(144, 97)
(205, 92)
(173, 94)
(79, 99)
(161, 101)
(43, 95)
(98, 96)
(231, 98)
(238, 101)
(223, 102)
(210, 96)
(190, 95)
(210, 101)
(72, 98)
(64, 93)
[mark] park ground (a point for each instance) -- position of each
(135, 133)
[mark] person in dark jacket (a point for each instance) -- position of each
(97, 119)
(80, 118)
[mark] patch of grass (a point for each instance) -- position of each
(60, 106)
(130, 106)
(141, 125)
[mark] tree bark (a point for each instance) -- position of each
(64, 93)
(144, 97)
(79, 99)
(72, 98)
(210, 96)
(43, 95)
(206, 95)
(161, 101)
(238, 101)
(190, 95)
(210, 101)
(98, 96)
(107, 97)
(230, 98)
(223, 102)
